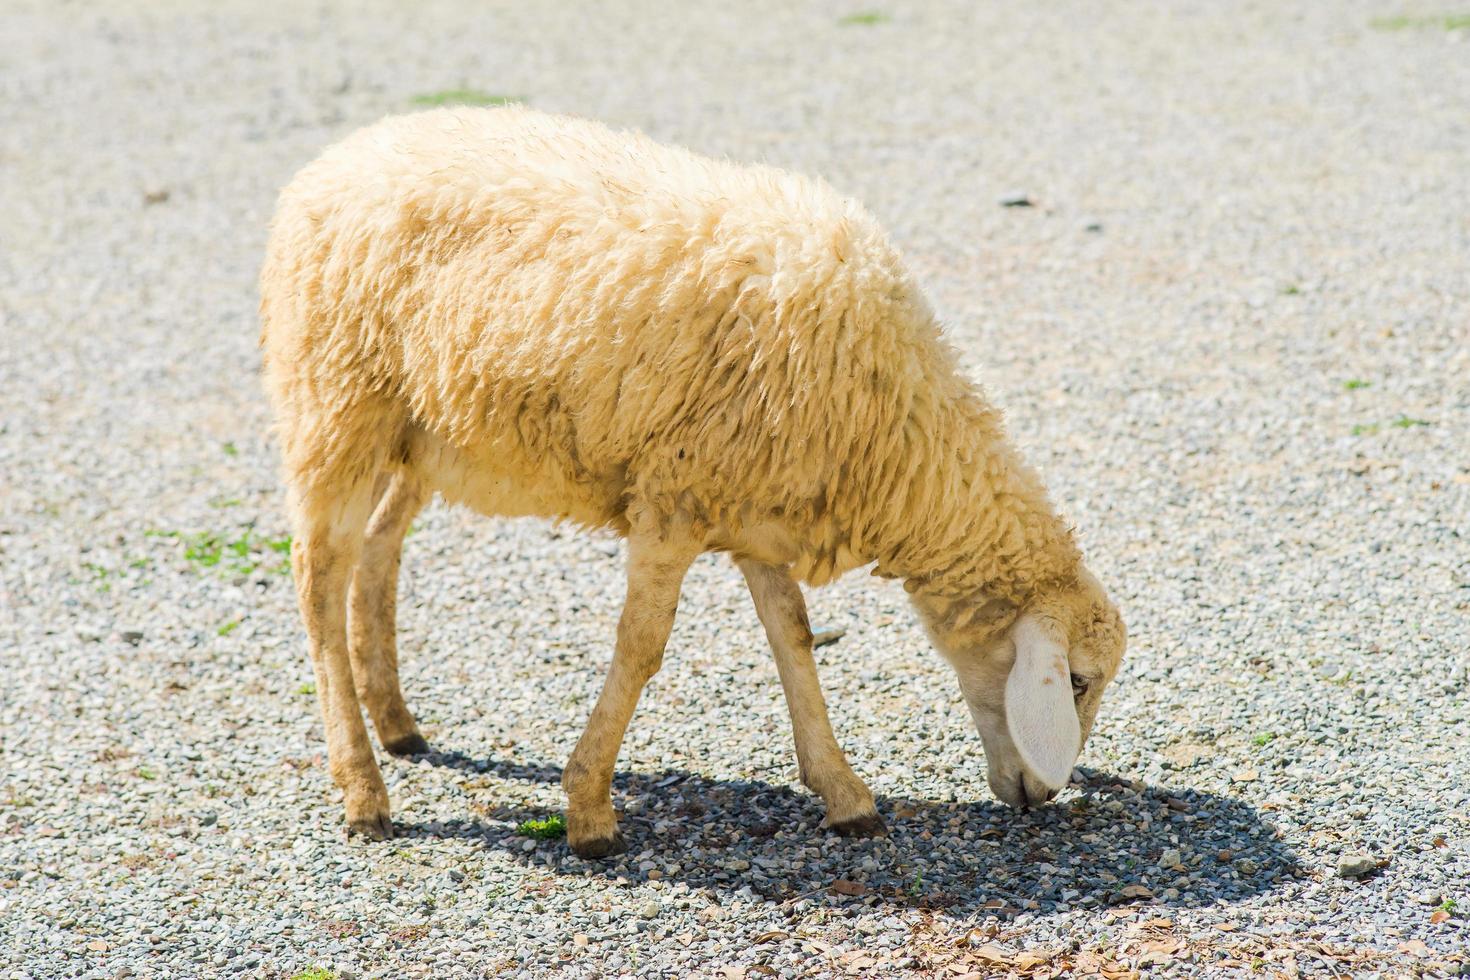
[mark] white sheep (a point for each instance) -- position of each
(537, 315)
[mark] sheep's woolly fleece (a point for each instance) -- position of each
(601, 328)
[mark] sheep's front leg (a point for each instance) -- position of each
(823, 767)
(655, 573)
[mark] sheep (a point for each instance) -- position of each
(536, 315)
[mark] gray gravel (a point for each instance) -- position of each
(1234, 211)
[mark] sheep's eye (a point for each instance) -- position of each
(1079, 685)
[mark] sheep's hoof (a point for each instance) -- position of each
(410, 744)
(600, 847)
(375, 827)
(868, 825)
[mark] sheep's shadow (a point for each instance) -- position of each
(1102, 844)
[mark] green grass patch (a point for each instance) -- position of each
(229, 627)
(101, 575)
(865, 18)
(1404, 22)
(239, 554)
(465, 96)
(314, 973)
(230, 449)
(308, 689)
(1264, 739)
(1449, 905)
(1356, 384)
(551, 828)
(1402, 422)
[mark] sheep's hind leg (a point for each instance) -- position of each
(372, 639)
(655, 573)
(823, 767)
(325, 548)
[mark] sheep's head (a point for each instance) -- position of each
(1033, 679)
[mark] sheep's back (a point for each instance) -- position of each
(545, 288)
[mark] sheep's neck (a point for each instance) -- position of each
(982, 524)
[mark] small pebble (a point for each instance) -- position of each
(824, 636)
(1355, 865)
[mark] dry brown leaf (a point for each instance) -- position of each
(772, 936)
(1438, 917)
(992, 953)
(978, 935)
(1227, 926)
(1137, 891)
(1414, 947)
(1088, 962)
(843, 886)
(1031, 959)
(1245, 776)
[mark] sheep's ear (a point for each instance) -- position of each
(1039, 710)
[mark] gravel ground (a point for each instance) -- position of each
(1231, 328)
